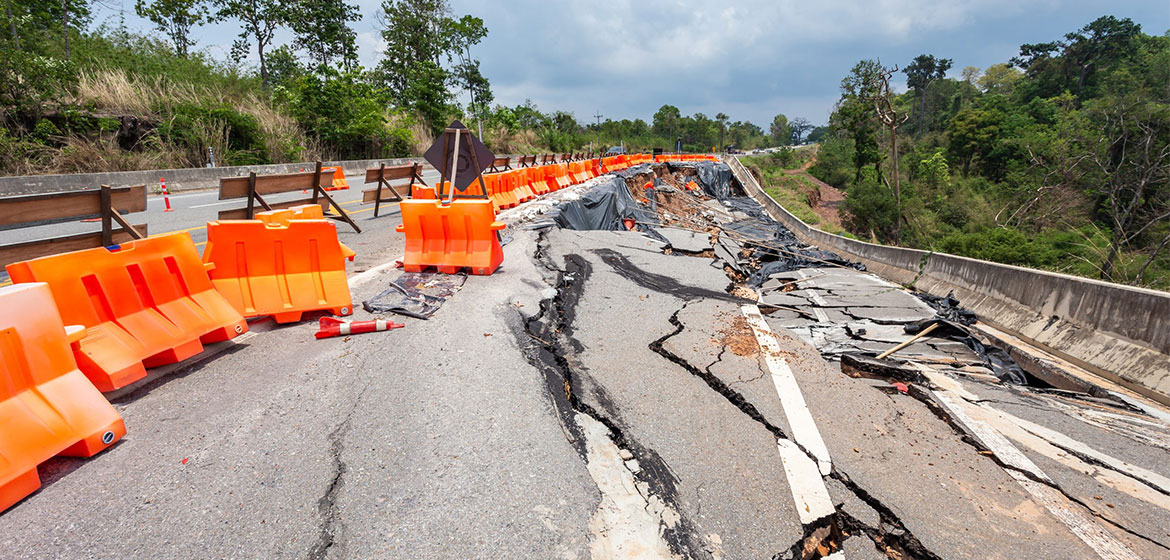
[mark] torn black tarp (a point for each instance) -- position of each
(713, 177)
(948, 308)
(996, 359)
(606, 206)
(416, 294)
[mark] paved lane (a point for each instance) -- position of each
(603, 397)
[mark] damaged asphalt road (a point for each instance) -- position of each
(606, 394)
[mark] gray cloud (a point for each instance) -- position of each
(750, 59)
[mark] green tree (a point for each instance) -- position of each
(799, 126)
(259, 20)
(175, 18)
(722, 119)
(920, 73)
(468, 31)
(666, 122)
(421, 36)
(322, 31)
(999, 78)
(283, 65)
(781, 132)
(973, 133)
(855, 115)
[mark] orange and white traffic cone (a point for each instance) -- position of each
(166, 195)
(335, 327)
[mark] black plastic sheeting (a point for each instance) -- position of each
(953, 322)
(948, 308)
(713, 177)
(756, 247)
(416, 294)
(778, 249)
(605, 207)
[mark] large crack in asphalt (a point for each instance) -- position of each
(555, 354)
(924, 396)
(891, 535)
(327, 503)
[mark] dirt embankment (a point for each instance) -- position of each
(825, 199)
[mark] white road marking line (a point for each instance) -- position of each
(1077, 448)
(363, 277)
(1092, 534)
(805, 476)
(808, 488)
(215, 204)
(820, 313)
(800, 420)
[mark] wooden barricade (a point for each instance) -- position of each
(106, 204)
(500, 164)
(382, 175)
(255, 187)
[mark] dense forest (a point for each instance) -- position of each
(79, 97)
(1058, 158)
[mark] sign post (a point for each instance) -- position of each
(461, 159)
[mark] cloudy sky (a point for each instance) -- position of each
(750, 59)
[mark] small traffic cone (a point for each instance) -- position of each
(166, 195)
(335, 327)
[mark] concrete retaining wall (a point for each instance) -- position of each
(177, 179)
(1119, 332)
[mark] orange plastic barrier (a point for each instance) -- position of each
(422, 191)
(303, 212)
(515, 179)
(550, 178)
(451, 237)
(508, 193)
(144, 304)
(595, 167)
(492, 182)
(339, 181)
(47, 406)
(283, 271)
(576, 172)
(534, 178)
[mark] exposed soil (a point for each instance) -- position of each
(738, 337)
(827, 199)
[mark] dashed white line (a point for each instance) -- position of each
(805, 476)
(216, 203)
(800, 420)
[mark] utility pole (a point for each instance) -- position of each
(598, 131)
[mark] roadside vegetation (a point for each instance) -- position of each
(779, 174)
(79, 97)
(1058, 159)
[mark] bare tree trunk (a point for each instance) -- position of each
(897, 182)
(1141, 273)
(12, 25)
(263, 65)
(1107, 266)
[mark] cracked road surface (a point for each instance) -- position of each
(598, 398)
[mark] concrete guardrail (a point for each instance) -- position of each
(1121, 333)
